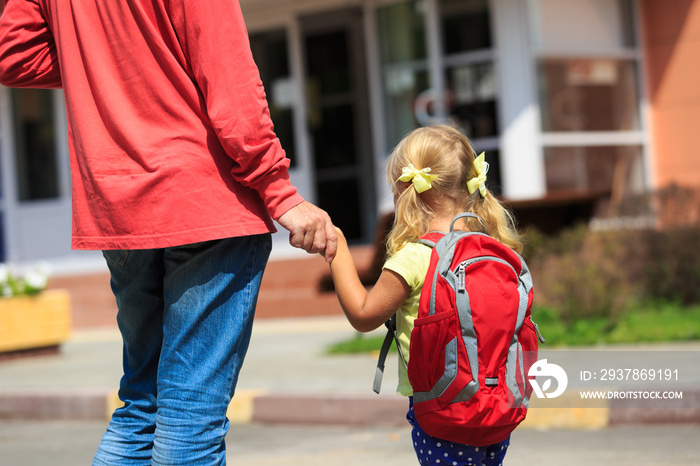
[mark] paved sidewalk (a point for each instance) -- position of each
(286, 358)
(73, 443)
(287, 378)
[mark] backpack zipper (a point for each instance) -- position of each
(461, 286)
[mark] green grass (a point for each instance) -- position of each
(666, 323)
(361, 343)
(646, 323)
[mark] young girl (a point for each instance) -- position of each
(434, 176)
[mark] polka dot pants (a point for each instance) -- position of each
(432, 451)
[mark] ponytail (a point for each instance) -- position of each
(452, 164)
(411, 220)
(498, 222)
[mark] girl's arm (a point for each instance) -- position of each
(365, 310)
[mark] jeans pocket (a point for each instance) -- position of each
(116, 258)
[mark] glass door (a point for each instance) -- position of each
(37, 218)
(437, 66)
(338, 120)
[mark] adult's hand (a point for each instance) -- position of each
(310, 229)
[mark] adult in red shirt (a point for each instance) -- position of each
(176, 176)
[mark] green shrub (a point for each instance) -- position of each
(583, 274)
(578, 275)
(672, 267)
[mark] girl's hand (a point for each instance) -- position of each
(342, 243)
(340, 234)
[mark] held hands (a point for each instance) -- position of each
(310, 229)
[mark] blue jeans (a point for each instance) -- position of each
(185, 315)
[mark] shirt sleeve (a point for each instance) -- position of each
(410, 262)
(215, 43)
(28, 56)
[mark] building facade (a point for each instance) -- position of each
(568, 98)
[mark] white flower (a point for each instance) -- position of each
(36, 280)
(13, 283)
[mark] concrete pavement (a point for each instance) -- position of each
(286, 357)
(296, 405)
(288, 378)
(73, 443)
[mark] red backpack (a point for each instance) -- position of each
(474, 340)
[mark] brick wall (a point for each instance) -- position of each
(671, 44)
(290, 288)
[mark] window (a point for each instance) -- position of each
(597, 169)
(466, 25)
(583, 24)
(469, 67)
(35, 144)
(465, 69)
(588, 74)
(589, 95)
(493, 182)
(271, 56)
(403, 52)
(402, 32)
(470, 77)
(473, 102)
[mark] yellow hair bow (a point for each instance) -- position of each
(421, 179)
(479, 181)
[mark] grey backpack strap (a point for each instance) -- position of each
(465, 215)
(391, 334)
(386, 345)
(426, 242)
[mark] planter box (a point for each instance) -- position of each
(39, 321)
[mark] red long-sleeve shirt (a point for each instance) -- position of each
(169, 132)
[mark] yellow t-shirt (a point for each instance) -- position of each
(411, 262)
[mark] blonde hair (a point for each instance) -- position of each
(449, 155)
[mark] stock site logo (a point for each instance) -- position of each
(549, 372)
